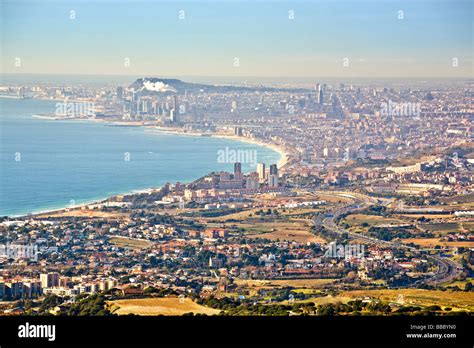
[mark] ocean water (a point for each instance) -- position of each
(48, 164)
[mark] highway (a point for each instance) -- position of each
(447, 268)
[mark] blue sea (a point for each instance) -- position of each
(48, 164)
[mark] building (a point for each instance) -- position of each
(49, 280)
(319, 94)
(120, 93)
(273, 169)
(418, 167)
(238, 131)
(252, 182)
(2, 290)
(273, 180)
(31, 288)
(261, 171)
(174, 116)
(237, 168)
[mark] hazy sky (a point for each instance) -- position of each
(260, 34)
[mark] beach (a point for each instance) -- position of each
(284, 157)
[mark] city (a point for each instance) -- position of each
(385, 171)
(190, 173)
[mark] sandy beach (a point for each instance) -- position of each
(281, 150)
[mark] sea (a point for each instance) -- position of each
(48, 164)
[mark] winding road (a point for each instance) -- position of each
(447, 268)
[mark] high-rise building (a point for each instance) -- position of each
(174, 104)
(119, 93)
(21, 92)
(326, 152)
(273, 169)
(261, 171)
(237, 168)
(319, 94)
(238, 131)
(174, 116)
(49, 280)
(273, 180)
(251, 182)
(2, 290)
(135, 96)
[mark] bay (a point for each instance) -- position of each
(49, 164)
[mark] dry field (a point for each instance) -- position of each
(296, 283)
(332, 198)
(453, 299)
(85, 213)
(242, 215)
(125, 242)
(441, 227)
(372, 220)
(467, 226)
(428, 216)
(159, 306)
(432, 242)
(289, 231)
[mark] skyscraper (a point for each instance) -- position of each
(273, 180)
(273, 169)
(237, 167)
(261, 171)
(174, 104)
(319, 94)
(119, 93)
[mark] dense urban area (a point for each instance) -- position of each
(370, 210)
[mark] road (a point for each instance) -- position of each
(447, 268)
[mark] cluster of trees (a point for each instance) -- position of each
(158, 292)
(93, 305)
(356, 307)
(388, 234)
(269, 211)
(212, 213)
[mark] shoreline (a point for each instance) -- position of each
(281, 163)
(63, 209)
(277, 148)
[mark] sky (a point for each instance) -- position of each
(325, 38)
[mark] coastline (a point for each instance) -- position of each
(277, 148)
(147, 127)
(62, 209)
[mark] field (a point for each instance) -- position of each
(295, 283)
(453, 299)
(159, 306)
(84, 213)
(372, 220)
(414, 216)
(289, 231)
(125, 242)
(323, 300)
(468, 198)
(468, 226)
(441, 227)
(242, 215)
(432, 242)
